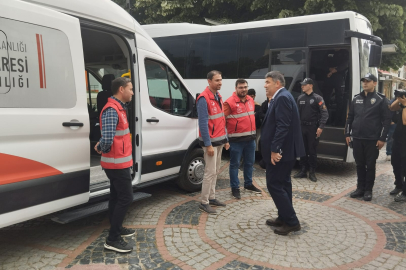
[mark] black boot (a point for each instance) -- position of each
(312, 176)
(302, 173)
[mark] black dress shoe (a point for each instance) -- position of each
(368, 196)
(357, 194)
(274, 222)
(285, 229)
(395, 191)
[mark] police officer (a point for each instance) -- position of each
(313, 116)
(368, 123)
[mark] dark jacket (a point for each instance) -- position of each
(312, 109)
(281, 129)
(369, 117)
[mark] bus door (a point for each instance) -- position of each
(44, 135)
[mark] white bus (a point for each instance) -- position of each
(56, 57)
(299, 47)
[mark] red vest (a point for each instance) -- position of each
(217, 122)
(120, 155)
(241, 121)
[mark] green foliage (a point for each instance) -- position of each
(388, 17)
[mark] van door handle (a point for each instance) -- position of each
(72, 124)
(152, 120)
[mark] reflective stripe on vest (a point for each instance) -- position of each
(122, 132)
(217, 121)
(215, 139)
(241, 120)
(239, 115)
(116, 160)
(120, 154)
(242, 134)
(216, 116)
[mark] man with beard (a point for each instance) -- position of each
(239, 110)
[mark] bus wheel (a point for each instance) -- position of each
(192, 171)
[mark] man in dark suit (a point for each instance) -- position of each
(281, 144)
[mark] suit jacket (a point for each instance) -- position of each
(281, 129)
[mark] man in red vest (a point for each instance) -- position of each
(212, 138)
(239, 110)
(116, 150)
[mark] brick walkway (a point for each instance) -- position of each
(171, 233)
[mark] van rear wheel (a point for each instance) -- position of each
(192, 171)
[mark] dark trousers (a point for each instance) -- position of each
(365, 155)
(310, 142)
(279, 186)
(398, 164)
(121, 196)
(334, 82)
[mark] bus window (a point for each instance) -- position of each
(223, 54)
(292, 64)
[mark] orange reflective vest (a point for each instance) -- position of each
(241, 121)
(120, 155)
(217, 121)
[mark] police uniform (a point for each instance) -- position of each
(368, 121)
(313, 115)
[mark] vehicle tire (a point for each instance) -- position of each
(192, 171)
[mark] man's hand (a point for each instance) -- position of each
(348, 140)
(402, 100)
(227, 146)
(275, 157)
(95, 148)
(210, 150)
(380, 144)
(318, 132)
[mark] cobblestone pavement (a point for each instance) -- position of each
(338, 232)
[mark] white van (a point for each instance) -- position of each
(58, 58)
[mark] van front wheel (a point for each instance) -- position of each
(192, 171)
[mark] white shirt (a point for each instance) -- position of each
(274, 95)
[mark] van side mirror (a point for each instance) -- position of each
(375, 55)
(194, 111)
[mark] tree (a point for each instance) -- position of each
(388, 17)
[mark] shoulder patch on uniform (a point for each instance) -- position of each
(321, 102)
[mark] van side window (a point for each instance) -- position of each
(179, 95)
(166, 92)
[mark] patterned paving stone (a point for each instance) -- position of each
(144, 256)
(333, 238)
(187, 213)
(395, 236)
(23, 257)
(242, 266)
(310, 196)
(385, 262)
(383, 185)
(51, 234)
(186, 245)
(147, 212)
(367, 210)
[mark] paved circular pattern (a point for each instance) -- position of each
(332, 237)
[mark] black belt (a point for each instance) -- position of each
(309, 123)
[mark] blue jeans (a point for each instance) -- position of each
(389, 140)
(247, 151)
